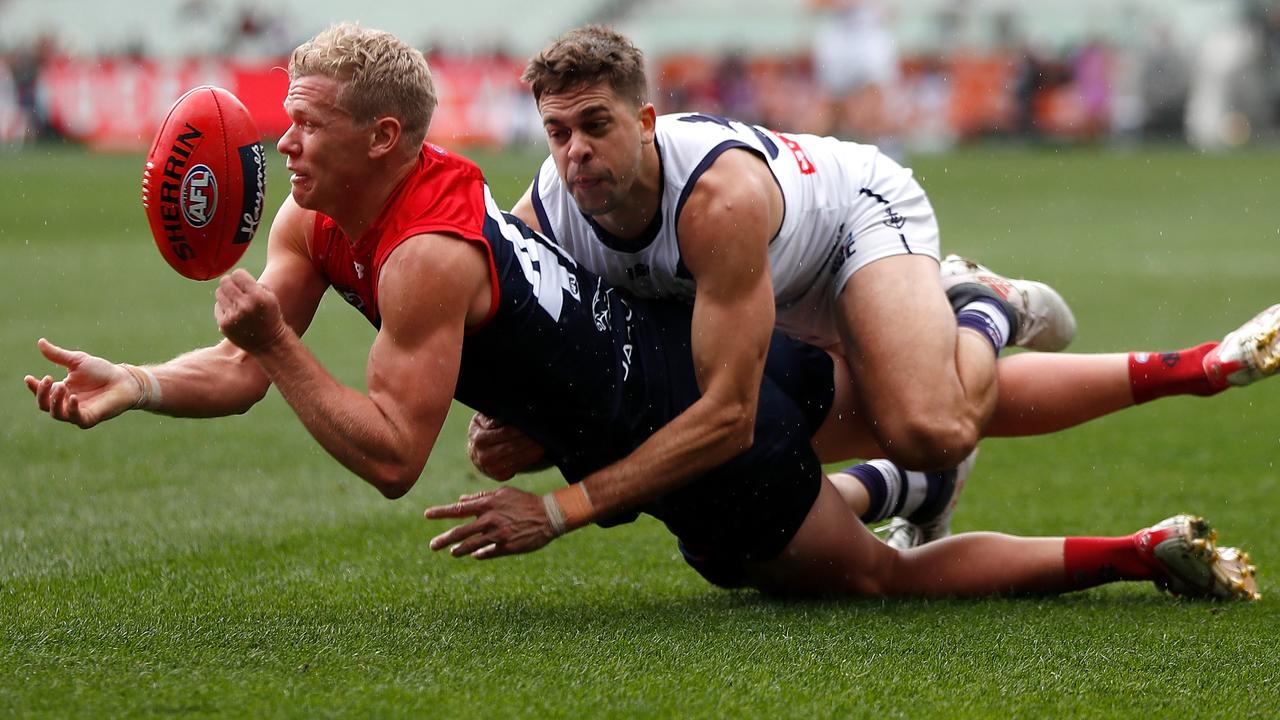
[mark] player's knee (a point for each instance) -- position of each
(920, 441)
(881, 577)
(873, 579)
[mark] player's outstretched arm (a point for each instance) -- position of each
(508, 521)
(208, 382)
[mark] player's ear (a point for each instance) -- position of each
(384, 136)
(648, 123)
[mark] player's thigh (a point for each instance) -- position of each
(831, 553)
(899, 331)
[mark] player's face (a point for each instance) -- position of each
(597, 140)
(325, 149)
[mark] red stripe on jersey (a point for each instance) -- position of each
(802, 158)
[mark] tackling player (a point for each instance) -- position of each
(468, 302)
(836, 244)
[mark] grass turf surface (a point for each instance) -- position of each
(158, 567)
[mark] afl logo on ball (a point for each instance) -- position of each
(199, 196)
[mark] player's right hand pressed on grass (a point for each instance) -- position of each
(94, 389)
(500, 450)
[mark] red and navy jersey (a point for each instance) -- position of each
(562, 355)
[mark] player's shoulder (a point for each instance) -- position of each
(686, 119)
(445, 187)
(437, 165)
(692, 144)
(732, 186)
(293, 224)
(432, 247)
(436, 260)
(691, 125)
(736, 172)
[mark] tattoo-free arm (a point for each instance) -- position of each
(725, 230)
(426, 289)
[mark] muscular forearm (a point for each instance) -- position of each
(347, 423)
(210, 382)
(703, 437)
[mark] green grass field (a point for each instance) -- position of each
(159, 567)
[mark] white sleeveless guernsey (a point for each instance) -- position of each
(846, 206)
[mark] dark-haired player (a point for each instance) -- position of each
(833, 243)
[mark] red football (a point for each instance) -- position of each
(204, 183)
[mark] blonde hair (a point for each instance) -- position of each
(588, 56)
(381, 76)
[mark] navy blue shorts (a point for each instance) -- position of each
(749, 508)
(805, 374)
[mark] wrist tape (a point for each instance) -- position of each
(148, 387)
(568, 508)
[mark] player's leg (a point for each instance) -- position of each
(1042, 393)
(923, 355)
(928, 388)
(833, 553)
(921, 504)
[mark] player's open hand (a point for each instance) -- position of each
(507, 522)
(248, 313)
(94, 389)
(500, 450)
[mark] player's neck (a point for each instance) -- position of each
(365, 203)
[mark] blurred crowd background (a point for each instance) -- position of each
(916, 75)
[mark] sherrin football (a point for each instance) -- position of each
(204, 183)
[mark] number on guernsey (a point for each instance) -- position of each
(548, 272)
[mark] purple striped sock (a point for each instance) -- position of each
(987, 317)
(883, 482)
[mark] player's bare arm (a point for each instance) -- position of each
(208, 382)
(429, 289)
(725, 232)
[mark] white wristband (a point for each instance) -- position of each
(153, 401)
(554, 514)
(148, 387)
